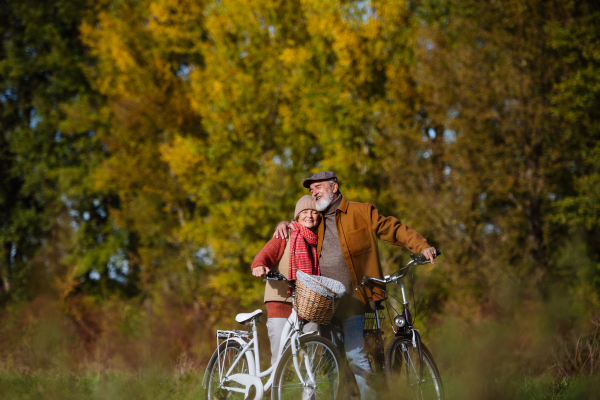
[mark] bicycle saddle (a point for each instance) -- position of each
(245, 317)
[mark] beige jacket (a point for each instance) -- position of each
(277, 290)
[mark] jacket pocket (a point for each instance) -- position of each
(359, 241)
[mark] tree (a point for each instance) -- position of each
(491, 76)
(44, 193)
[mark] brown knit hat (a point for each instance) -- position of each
(305, 203)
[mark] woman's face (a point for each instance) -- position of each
(309, 218)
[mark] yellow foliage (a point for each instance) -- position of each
(181, 155)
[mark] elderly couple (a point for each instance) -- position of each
(335, 238)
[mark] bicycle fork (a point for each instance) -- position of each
(416, 338)
(312, 382)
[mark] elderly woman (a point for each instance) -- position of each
(287, 256)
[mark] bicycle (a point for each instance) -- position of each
(407, 364)
(308, 366)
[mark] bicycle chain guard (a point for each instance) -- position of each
(253, 385)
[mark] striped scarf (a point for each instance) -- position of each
(303, 240)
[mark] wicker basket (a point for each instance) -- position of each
(317, 297)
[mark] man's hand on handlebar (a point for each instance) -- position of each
(260, 271)
(430, 253)
(281, 229)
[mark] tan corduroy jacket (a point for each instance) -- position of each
(358, 227)
(277, 290)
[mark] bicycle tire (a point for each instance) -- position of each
(328, 370)
(224, 356)
(405, 382)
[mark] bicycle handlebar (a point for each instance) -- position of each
(276, 276)
(417, 259)
(420, 258)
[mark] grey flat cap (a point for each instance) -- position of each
(321, 176)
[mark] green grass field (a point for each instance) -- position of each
(188, 385)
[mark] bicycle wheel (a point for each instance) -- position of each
(217, 367)
(403, 368)
(322, 359)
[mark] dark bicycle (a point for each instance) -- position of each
(407, 364)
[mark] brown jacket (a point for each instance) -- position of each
(358, 227)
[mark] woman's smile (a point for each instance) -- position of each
(309, 218)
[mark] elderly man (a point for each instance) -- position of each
(347, 251)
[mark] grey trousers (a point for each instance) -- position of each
(275, 328)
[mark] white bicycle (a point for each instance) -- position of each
(307, 367)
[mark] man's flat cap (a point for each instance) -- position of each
(321, 176)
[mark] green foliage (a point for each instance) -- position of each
(45, 170)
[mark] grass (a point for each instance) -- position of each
(534, 356)
(112, 385)
(188, 385)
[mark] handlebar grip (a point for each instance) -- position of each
(274, 275)
(421, 257)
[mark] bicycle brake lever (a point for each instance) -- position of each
(365, 280)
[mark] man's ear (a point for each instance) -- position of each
(334, 187)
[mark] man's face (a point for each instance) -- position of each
(323, 193)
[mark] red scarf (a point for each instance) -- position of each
(303, 241)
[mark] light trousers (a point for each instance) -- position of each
(275, 328)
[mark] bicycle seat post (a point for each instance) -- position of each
(377, 322)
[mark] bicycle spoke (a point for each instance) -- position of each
(216, 371)
(423, 381)
(317, 359)
(404, 372)
(414, 367)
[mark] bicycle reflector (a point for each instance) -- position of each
(399, 321)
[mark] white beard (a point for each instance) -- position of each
(324, 201)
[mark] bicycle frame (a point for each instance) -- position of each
(407, 330)
(405, 305)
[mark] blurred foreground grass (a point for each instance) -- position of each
(113, 385)
(535, 350)
(188, 385)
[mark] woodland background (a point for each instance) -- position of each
(148, 148)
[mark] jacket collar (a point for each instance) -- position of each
(343, 207)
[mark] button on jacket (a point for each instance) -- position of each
(359, 225)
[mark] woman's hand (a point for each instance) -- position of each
(260, 271)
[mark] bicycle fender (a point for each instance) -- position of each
(407, 335)
(248, 381)
(311, 333)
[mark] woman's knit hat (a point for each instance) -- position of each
(305, 203)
